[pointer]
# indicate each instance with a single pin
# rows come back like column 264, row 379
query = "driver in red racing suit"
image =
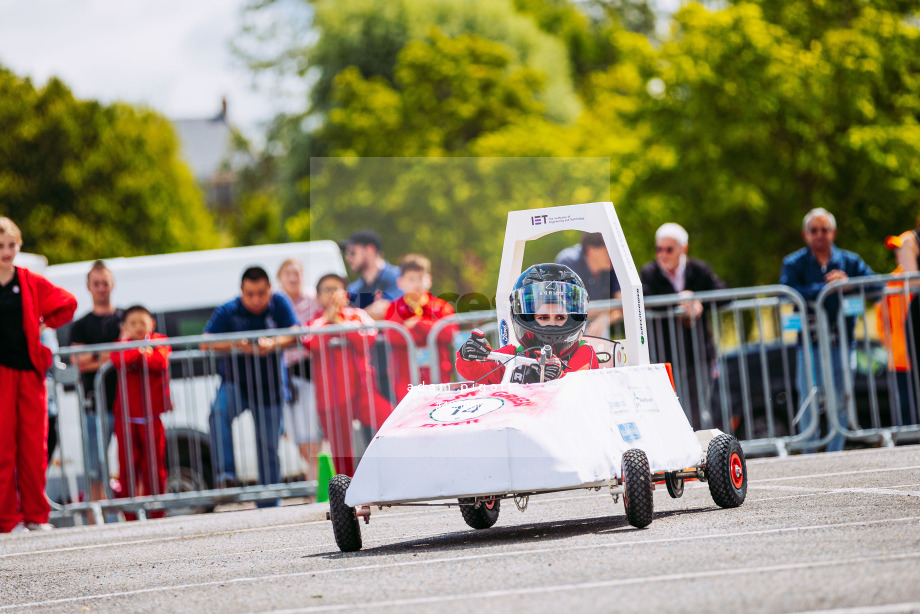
column 549, row 306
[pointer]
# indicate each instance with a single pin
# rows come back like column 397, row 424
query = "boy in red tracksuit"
column 549, row 306
column 27, row 303
column 142, row 397
column 417, row 309
column 344, row 380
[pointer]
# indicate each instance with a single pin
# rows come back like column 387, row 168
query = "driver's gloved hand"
column 525, row 374
column 476, row 347
column 553, row 369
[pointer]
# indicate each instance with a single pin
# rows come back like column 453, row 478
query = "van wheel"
column 186, row 479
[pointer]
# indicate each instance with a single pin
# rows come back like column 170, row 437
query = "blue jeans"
column 91, row 427
column 804, row 387
column 226, row 407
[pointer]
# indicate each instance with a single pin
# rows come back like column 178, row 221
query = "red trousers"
column 141, row 461
column 23, row 448
column 337, row 426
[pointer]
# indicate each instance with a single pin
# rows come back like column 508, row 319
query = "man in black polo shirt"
column 101, row 325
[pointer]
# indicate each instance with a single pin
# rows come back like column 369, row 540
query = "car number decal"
column 463, row 410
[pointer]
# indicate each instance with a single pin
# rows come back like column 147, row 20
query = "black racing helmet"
column 549, row 289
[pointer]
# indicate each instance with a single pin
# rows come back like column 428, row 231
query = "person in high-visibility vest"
column 891, row 315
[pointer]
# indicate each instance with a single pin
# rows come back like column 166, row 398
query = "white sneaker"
column 39, row 526
column 19, row 528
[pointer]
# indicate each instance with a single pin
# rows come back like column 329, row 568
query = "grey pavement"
column 830, row 532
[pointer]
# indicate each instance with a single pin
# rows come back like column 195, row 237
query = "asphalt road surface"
column 832, row 532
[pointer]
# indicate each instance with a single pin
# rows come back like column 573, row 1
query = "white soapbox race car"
column 472, row 446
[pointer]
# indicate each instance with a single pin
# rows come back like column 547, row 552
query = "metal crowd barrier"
column 342, row 394
column 349, row 378
column 872, row 344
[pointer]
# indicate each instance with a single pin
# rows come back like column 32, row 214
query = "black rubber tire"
column 637, row 489
column 480, row 517
column 345, row 524
column 675, row 485
column 726, row 471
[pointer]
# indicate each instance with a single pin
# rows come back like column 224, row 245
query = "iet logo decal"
column 464, row 410
column 538, row 220
column 629, row 432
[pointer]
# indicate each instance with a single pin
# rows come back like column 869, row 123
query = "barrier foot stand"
column 887, row 439
column 781, row 450
column 325, row 471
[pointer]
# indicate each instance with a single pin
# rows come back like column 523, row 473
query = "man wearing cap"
column 674, row 272
column 376, row 287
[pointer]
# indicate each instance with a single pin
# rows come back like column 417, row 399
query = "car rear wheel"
column 637, row 489
column 726, row 471
column 675, row 485
column 481, row 516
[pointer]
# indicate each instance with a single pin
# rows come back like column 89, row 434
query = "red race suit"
column 142, row 396
column 419, row 321
column 345, row 383
column 24, row 406
column 576, row 358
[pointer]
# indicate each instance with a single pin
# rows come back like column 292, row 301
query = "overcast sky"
column 172, row 55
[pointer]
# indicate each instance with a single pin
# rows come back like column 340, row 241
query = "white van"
column 181, row 290
column 34, row 262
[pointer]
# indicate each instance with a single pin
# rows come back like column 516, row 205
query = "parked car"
column 741, row 406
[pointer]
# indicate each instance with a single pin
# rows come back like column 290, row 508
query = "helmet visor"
column 550, row 296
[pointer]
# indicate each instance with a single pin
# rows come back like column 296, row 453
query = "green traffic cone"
column 325, row 471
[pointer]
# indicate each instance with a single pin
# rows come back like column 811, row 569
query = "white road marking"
column 516, row 553
column 833, row 475
column 900, row 451
column 833, row 491
column 891, row 608
column 427, row 510
column 678, row 577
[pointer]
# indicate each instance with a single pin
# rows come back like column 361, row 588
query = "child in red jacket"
column 345, row 381
column 418, row 310
column 142, row 397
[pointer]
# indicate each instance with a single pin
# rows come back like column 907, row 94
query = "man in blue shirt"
column 376, row 287
column 252, row 376
column 807, row 271
column 591, row 262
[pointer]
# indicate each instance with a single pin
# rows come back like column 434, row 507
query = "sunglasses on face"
column 670, row 249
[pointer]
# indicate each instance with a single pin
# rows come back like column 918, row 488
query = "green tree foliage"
column 748, row 128
column 452, row 209
column 85, row 180
column 447, row 93
column 370, row 35
column 735, row 124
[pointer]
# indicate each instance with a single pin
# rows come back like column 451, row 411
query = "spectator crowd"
column 319, row 378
